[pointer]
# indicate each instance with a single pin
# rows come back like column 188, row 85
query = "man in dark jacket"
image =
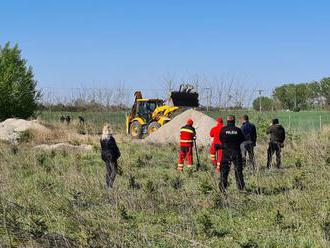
column 250, row 134
column 110, row 154
column 231, row 138
column 276, row 141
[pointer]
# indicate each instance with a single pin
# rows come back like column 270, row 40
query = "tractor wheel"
column 153, row 126
column 135, row 130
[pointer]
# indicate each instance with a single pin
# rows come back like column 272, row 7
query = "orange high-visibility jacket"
column 187, row 135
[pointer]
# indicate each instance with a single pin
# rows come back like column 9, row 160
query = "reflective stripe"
column 212, row 156
column 180, row 165
column 186, row 130
column 186, row 141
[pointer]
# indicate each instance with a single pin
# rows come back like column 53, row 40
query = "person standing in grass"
column 187, row 136
column 231, row 138
column 276, row 142
column 110, row 154
column 216, row 155
column 247, row 147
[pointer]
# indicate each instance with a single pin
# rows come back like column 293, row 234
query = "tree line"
column 295, row 97
column 19, row 96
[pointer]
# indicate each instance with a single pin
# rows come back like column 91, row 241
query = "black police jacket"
column 109, row 149
column 231, row 138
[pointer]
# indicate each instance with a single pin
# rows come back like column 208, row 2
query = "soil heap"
column 10, row 129
column 169, row 133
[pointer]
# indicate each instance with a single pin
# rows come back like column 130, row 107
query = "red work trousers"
column 215, row 155
column 185, row 155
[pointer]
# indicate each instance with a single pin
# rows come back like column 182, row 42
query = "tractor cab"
column 145, row 108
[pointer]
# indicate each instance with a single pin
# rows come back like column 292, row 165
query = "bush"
column 19, row 95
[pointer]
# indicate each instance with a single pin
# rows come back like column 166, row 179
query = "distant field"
column 297, row 121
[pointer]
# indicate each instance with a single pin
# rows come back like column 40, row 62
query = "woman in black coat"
column 110, row 154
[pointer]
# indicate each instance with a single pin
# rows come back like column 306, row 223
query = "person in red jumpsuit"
column 216, row 155
column 187, row 136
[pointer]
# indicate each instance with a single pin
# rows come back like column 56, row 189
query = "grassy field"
column 295, row 121
column 57, row 199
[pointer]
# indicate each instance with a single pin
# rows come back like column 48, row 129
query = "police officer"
column 231, row 138
column 276, row 142
column 250, row 134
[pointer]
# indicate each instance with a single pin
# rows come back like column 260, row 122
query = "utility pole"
column 208, row 97
column 295, row 98
column 260, row 91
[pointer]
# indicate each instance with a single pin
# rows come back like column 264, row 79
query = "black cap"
column 275, row 121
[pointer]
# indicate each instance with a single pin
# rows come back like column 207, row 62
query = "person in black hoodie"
column 110, row 154
column 231, row 138
column 247, row 147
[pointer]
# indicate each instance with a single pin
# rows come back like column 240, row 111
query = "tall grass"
column 57, row 199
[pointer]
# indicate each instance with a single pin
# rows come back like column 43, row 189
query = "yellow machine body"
column 147, row 115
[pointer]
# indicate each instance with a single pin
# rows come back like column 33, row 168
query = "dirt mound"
column 169, row 133
column 10, row 129
column 65, row 146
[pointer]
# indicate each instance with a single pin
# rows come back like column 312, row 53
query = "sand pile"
column 65, row 146
column 169, row 133
column 10, row 129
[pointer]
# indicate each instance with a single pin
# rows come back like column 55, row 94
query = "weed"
column 25, row 136
column 218, row 201
column 298, row 183
column 177, row 182
column 14, row 149
column 279, row 218
column 205, row 186
column 250, row 243
column 327, row 160
column 206, row 224
column 150, row 187
column 326, row 230
column 139, row 163
column 38, row 228
column 123, row 212
column 298, row 163
column 132, row 184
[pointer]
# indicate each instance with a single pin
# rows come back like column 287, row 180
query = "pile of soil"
column 64, row 146
column 10, row 129
column 169, row 133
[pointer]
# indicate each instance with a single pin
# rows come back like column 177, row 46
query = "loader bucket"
column 184, row 99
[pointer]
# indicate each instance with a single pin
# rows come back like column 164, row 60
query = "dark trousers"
column 247, row 148
column 111, row 167
column 274, row 147
column 228, row 158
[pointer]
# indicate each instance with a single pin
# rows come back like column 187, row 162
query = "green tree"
column 293, row 96
column 314, row 94
column 325, row 89
column 266, row 103
column 286, row 95
column 18, row 93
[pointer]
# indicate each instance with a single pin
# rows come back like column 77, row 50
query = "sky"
column 141, row 43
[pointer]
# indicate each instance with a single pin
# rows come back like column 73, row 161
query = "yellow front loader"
column 147, row 115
